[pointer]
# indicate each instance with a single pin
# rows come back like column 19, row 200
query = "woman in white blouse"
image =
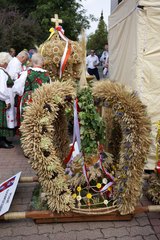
column 6, row 118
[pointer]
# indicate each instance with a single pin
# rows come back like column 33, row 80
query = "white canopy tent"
column 134, row 55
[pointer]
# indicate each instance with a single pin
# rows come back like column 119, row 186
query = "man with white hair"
column 14, row 69
column 6, row 114
column 16, row 65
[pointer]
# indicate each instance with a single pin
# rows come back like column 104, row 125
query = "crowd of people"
column 92, row 62
column 20, row 75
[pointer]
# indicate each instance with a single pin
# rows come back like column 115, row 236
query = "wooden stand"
column 51, row 217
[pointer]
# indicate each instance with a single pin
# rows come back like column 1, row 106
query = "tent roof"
column 126, row 7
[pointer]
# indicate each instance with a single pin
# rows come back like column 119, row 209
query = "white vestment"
column 6, row 95
column 19, row 84
column 18, row 88
column 14, row 69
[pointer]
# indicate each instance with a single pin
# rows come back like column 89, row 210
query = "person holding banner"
column 6, row 116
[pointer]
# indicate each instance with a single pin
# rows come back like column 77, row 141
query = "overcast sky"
column 95, row 7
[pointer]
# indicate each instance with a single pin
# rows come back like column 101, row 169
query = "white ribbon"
column 65, row 51
column 76, row 130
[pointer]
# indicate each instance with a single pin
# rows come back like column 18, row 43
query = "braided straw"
column 131, row 140
column 45, row 141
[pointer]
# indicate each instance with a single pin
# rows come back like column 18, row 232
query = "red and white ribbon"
column 67, row 51
column 76, row 134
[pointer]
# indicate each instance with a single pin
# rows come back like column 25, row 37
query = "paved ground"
column 145, row 226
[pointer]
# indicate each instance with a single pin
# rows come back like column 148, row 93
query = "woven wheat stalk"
column 45, row 141
column 134, row 137
column 52, row 50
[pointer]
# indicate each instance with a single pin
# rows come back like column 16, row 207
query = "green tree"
column 17, row 31
column 24, row 7
column 71, row 11
column 97, row 40
column 32, row 20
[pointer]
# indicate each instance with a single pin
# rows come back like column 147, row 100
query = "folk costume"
column 6, row 116
column 28, row 82
column 14, row 69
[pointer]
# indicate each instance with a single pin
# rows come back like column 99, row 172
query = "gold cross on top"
column 56, row 20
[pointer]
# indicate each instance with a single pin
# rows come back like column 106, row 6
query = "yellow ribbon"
column 52, row 31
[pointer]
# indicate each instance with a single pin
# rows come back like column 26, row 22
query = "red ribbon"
column 18, row 110
column 67, row 159
column 158, row 167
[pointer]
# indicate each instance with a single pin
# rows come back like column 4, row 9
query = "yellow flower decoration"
column 110, row 189
column 74, row 195
column 79, row 189
column 98, row 185
column 89, row 195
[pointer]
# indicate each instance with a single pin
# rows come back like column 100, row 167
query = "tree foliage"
column 17, row 31
column 70, row 11
column 97, row 40
column 24, row 7
column 26, row 23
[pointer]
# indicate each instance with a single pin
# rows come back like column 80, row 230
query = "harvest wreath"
column 60, row 65
column 45, row 141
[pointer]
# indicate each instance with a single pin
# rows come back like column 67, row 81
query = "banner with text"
column 7, row 191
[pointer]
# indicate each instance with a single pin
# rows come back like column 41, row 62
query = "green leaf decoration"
column 92, row 127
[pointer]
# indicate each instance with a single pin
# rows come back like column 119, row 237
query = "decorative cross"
column 56, row 20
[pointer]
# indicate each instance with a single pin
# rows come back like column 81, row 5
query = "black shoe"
column 3, row 144
column 8, row 142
